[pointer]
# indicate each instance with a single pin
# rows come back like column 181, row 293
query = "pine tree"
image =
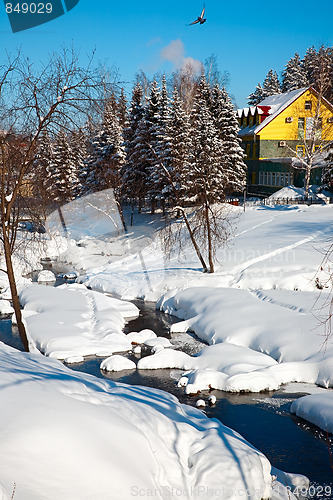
column 149, row 134
column 122, row 109
column 78, row 143
column 134, row 171
column 226, row 123
column 271, row 85
column 180, row 146
column 327, row 174
column 42, row 165
column 257, row 96
column 107, row 152
column 160, row 184
column 207, row 177
column 323, row 72
column 62, row 170
column 309, row 63
column 294, row 75
column 207, row 180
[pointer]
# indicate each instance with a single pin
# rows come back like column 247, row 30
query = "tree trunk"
column 194, row 243
column 307, row 180
column 13, row 289
column 153, row 206
column 209, row 239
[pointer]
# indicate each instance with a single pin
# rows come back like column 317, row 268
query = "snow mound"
column 117, row 363
column 70, row 321
column 292, row 192
column 142, row 336
column 317, row 409
column 158, row 342
column 92, row 438
column 46, row 276
column 5, row 308
column 275, row 340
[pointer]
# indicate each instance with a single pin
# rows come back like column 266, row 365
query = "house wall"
column 280, row 130
column 260, row 180
column 272, row 149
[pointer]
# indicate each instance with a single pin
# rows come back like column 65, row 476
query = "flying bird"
column 200, row 19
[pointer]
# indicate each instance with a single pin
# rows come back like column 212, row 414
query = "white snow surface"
column 71, row 321
column 273, row 339
column 294, row 193
column 69, row 435
column 317, row 409
column 260, row 312
column 263, row 297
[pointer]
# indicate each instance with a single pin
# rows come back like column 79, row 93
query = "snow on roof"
column 273, row 105
column 278, row 103
column 279, row 100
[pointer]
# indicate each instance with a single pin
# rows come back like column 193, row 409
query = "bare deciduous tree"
column 59, row 96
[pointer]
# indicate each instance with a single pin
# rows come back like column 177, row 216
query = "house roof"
column 272, row 106
column 277, row 103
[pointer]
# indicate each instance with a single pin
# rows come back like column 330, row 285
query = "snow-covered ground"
column 261, row 310
column 70, row 322
column 65, row 435
column 260, row 314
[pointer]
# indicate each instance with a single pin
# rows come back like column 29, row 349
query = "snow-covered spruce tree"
column 232, row 154
column 134, row 171
column 271, row 85
column 150, row 140
column 122, row 109
column 159, row 182
column 41, row 172
column 318, row 66
column 257, row 96
column 327, row 175
column 107, row 152
column 207, row 179
column 294, row 76
column 78, row 143
column 309, row 64
column 62, row 170
column 180, row 147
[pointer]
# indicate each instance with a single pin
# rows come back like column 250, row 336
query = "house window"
column 301, row 128
column 276, row 179
column 308, row 105
column 248, row 149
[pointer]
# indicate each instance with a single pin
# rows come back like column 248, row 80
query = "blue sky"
column 247, row 38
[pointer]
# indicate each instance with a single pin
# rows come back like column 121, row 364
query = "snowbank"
column 317, row 409
column 294, row 193
column 70, row 321
column 273, row 247
column 259, row 340
column 68, row 435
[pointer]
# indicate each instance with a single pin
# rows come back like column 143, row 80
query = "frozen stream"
column 289, row 442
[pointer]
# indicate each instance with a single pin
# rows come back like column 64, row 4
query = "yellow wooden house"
column 276, row 133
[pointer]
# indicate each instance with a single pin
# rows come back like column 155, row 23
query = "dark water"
column 290, row 443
